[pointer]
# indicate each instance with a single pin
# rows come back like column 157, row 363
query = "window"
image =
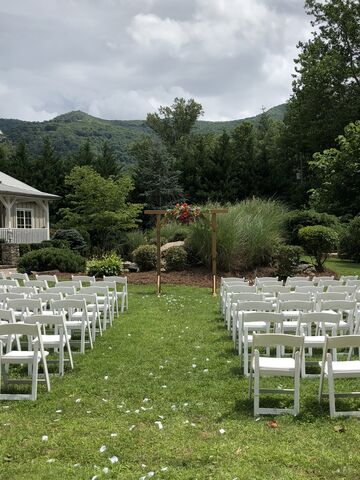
column 23, row 218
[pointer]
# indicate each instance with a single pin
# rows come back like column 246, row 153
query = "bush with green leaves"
column 318, row 241
column 145, row 257
column 297, row 219
column 349, row 245
column 247, row 236
column 287, row 259
column 176, row 258
column 61, row 259
column 110, row 264
column 132, row 240
column 29, row 247
column 74, row 239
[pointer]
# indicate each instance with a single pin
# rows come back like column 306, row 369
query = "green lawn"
column 174, row 352
column 343, row 267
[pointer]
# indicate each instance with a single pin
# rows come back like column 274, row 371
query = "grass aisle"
column 156, row 392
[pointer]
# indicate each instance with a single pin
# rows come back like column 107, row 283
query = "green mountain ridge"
column 70, row 130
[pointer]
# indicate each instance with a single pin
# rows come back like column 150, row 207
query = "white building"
column 24, row 211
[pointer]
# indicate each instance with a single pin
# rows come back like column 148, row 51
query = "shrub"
column 44, row 259
column 318, row 241
column 349, row 245
column 287, row 258
column 24, row 248
column 247, row 236
column 145, row 257
column 132, row 240
column 153, row 241
column 304, row 218
column 176, row 258
column 29, row 247
column 110, row 264
column 73, row 238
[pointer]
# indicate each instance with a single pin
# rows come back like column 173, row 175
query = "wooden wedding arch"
column 213, row 212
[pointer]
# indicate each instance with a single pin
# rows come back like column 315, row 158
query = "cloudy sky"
column 119, row 59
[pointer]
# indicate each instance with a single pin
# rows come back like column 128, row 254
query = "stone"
column 166, row 247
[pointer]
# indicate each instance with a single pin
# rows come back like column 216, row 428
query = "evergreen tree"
column 155, row 177
column 106, row 164
column 85, row 156
column 48, row 170
column 21, row 165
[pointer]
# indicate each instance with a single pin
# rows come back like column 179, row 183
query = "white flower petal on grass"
column 173, row 408
column 206, row 370
column 151, row 374
column 163, row 386
column 44, row 438
column 76, row 465
column 105, row 400
column 143, row 465
column 129, row 334
column 193, row 424
column 164, row 469
column 106, row 377
column 106, row 470
column 207, row 359
column 88, row 411
column 113, row 435
column 222, row 430
column 257, row 419
column 161, row 367
column 95, row 477
column 146, row 400
column 136, row 411
column 131, row 428
column 127, row 411
column 194, row 365
column 113, row 459
column 103, row 448
column 159, row 424
column 78, row 400
column 51, row 460
column 150, row 474
column 142, row 478
column 186, row 404
column 161, row 416
column 58, row 411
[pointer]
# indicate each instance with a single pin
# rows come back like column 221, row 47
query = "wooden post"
column 158, row 214
column 158, row 253
column 213, row 251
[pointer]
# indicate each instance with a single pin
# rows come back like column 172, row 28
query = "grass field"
column 343, row 267
column 169, row 363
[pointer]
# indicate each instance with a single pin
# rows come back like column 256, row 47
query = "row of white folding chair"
column 263, row 366
column 109, row 281
column 227, row 287
column 230, row 290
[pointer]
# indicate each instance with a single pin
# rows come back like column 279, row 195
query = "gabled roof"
column 11, row 186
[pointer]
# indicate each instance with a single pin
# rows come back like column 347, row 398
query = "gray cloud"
column 123, row 58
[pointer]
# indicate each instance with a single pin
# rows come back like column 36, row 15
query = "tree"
column 156, row 179
column 173, row 123
column 99, row 205
column 48, row 172
column 85, row 155
column 243, row 146
column 106, row 164
column 20, row 165
column 326, row 87
column 337, row 172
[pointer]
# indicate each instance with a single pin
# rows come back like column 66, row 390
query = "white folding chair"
column 48, row 278
column 300, row 283
column 316, row 280
column 293, row 296
column 85, row 280
column 347, row 308
column 7, row 316
column 345, row 278
column 64, row 290
column 79, row 323
column 104, row 303
column 8, row 295
column 70, row 283
column 27, row 290
column 312, row 326
column 323, row 282
column 291, row 309
column 229, row 291
column 9, row 283
column 57, row 340
column 291, row 280
column 231, row 313
column 264, row 366
column 350, row 291
column 332, row 370
column 93, row 310
column 32, row 357
column 327, row 296
column 254, row 322
column 248, row 306
column 46, row 298
column 22, row 306
column 40, row 285
column 121, row 291
column 21, row 277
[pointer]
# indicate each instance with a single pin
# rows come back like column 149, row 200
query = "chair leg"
column 34, row 382
column 297, row 384
column 256, row 392
column 331, row 395
column 69, row 352
column 82, row 338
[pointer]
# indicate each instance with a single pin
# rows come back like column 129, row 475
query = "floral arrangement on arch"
column 183, row 213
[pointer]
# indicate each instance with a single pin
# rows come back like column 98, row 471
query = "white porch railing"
column 24, row 235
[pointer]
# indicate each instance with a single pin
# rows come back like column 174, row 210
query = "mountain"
column 68, row 131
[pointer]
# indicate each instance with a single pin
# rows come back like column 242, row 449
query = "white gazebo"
column 24, row 211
